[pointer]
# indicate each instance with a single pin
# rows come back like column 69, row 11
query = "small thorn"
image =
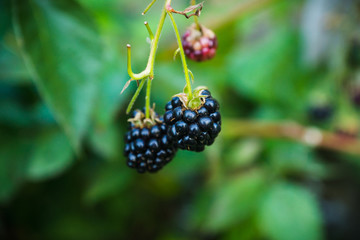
column 137, row 82
column 126, row 86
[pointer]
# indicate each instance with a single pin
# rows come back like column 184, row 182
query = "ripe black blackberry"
column 193, row 124
column 147, row 146
column 321, row 113
column 199, row 44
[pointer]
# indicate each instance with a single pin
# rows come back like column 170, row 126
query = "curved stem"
column 147, row 98
column 148, row 73
column 133, row 99
column 182, row 55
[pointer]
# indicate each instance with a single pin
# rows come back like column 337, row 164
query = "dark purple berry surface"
column 148, row 148
column 193, row 129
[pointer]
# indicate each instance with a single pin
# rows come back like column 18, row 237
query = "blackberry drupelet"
column 199, row 44
column 192, row 128
column 147, row 146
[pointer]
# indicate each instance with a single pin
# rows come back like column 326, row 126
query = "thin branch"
column 182, row 55
column 151, row 35
column 311, row 136
column 133, row 99
column 148, row 7
column 193, row 8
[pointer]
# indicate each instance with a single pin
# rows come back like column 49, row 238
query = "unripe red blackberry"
column 199, row 44
column 147, row 146
column 193, row 124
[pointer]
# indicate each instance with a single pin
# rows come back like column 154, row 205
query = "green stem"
column 155, row 43
column 148, row 73
column 182, row 54
column 147, row 98
column 196, row 20
column 138, row 90
column 148, row 7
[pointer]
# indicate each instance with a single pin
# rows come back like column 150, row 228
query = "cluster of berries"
column 192, row 129
column 152, row 142
column 200, row 43
column 147, row 146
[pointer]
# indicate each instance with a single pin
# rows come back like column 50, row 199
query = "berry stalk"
column 147, row 98
column 136, row 94
column 155, row 43
column 182, row 55
column 196, row 20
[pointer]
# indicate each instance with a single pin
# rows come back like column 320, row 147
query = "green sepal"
column 186, row 90
column 195, row 103
column 197, row 92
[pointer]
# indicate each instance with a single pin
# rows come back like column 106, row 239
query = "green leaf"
column 51, row 156
column 113, row 77
column 4, row 17
column 290, row 212
column 266, row 69
column 243, row 153
column 107, row 141
column 109, row 181
column 62, row 52
column 235, row 200
column 12, row 67
column 13, row 160
column 294, row 158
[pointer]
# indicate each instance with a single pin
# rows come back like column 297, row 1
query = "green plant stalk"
column 148, row 7
column 136, row 94
column 148, row 73
column 196, row 20
column 155, row 43
column 182, row 55
column 149, row 70
column 147, row 98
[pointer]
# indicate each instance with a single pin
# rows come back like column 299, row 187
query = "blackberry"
column 321, row 112
column 193, row 124
column 199, row 44
column 147, row 146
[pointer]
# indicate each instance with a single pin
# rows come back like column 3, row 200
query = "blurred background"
column 62, row 121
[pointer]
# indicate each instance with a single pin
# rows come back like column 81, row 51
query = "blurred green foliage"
column 62, row 121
